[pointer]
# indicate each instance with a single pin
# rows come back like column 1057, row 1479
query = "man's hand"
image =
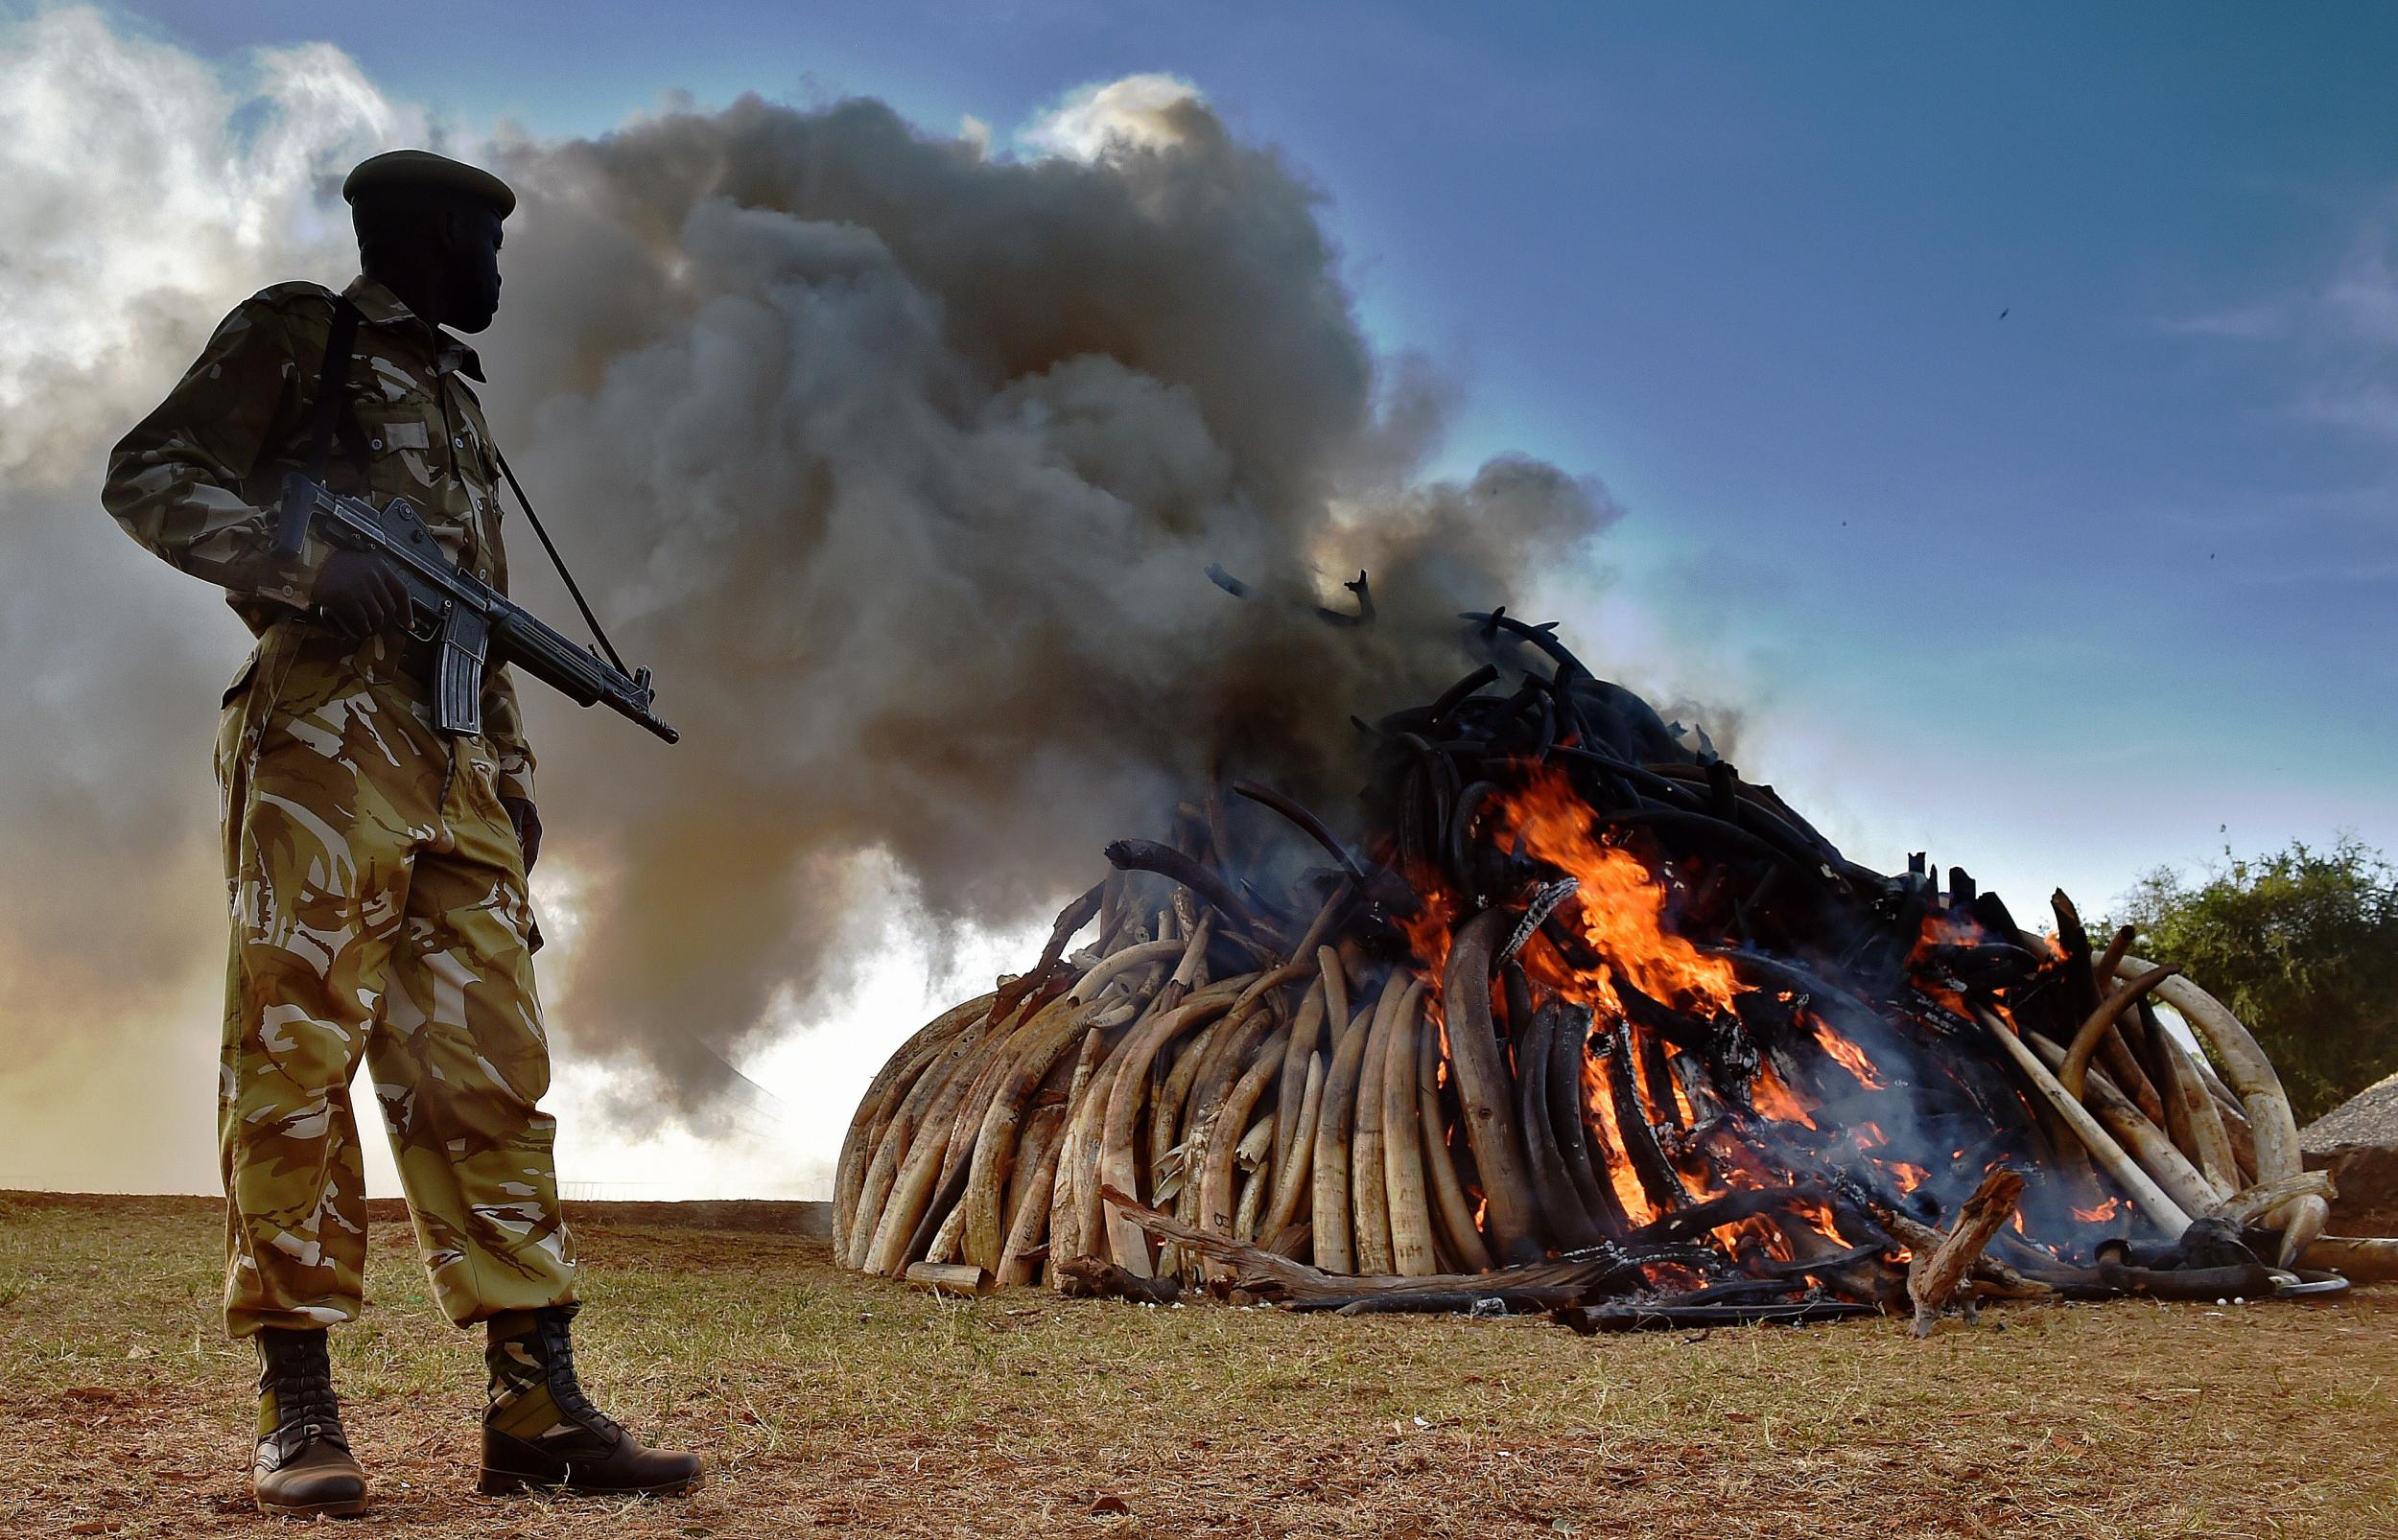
column 357, row 591
column 528, row 824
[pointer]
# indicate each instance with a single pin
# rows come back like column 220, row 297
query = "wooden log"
column 1996, row 1278
column 1402, row 1146
column 949, row 1278
column 2244, row 1063
column 2151, row 1200
column 1070, row 920
column 1335, row 1248
column 1087, row 1278
column 1455, row 1215
column 1943, row 1273
column 1368, row 1197
column 1483, row 1090
column 1270, row 1275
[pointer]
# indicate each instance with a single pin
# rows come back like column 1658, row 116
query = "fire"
column 1621, row 906
column 1774, row 1099
column 2099, row 1213
column 1907, row 1174
column 1848, row 1054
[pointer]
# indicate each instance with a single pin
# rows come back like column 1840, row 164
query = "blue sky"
column 2103, row 581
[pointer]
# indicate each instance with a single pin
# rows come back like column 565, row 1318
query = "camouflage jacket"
column 199, row 478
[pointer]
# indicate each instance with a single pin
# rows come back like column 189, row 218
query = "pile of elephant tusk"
column 1576, row 1021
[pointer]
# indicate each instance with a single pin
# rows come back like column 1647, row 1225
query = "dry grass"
column 828, row 1403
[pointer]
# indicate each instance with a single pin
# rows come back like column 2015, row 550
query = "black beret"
column 423, row 171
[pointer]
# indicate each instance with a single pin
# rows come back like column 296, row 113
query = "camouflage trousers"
column 379, row 907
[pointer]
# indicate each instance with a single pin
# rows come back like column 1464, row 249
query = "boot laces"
column 558, row 1344
column 300, row 1376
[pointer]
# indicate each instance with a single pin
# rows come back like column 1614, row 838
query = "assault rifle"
column 473, row 627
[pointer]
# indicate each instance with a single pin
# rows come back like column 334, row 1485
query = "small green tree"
column 2303, row 946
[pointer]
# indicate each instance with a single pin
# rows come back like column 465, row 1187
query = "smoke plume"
column 901, row 461
column 905, row 465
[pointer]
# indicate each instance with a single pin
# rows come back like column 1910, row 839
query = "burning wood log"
column 1943, row 1273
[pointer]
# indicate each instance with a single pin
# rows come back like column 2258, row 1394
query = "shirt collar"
column 378, row 306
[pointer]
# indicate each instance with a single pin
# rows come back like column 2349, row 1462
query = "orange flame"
column 1850, row 1056
column 1621, row 905
column 2099, row 1213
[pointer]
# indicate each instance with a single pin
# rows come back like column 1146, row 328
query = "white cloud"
column 1138, row 112
column 142, row 192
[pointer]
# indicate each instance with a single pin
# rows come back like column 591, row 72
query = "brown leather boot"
column 541, row 1430
column 304, row 1465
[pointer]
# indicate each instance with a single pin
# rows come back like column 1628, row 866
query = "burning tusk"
column 878, row 1109
column 1402, row 1145
column 1454, row 1212
column 995, row 1149
column 2210, row 1142
column 1370, row 1212
column 2302, row 1220
column 2085, row 1043
column 1127, row 1243
column 2143, row 1139
column 2167, row 1215
column 1334, row 1247
column 1483, row 1086
column 1291, row 1182
column 2244, row 1064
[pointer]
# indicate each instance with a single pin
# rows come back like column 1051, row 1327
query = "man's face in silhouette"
column 470, row 281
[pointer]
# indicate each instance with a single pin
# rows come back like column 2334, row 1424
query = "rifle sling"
column 326, row 409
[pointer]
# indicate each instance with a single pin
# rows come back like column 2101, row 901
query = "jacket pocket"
column 241, row 681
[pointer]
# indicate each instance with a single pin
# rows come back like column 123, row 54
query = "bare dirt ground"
column 827, row 1403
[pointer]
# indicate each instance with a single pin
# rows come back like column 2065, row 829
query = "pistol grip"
column 290, row 525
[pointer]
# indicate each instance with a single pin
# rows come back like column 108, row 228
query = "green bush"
column 2303, row 946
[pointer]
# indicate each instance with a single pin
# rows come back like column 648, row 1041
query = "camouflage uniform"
column 376, row 884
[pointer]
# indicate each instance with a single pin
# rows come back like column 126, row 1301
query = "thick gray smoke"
column 904, row 466
column 901, row 461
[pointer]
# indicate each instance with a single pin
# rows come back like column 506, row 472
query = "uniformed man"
column 375, row 866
